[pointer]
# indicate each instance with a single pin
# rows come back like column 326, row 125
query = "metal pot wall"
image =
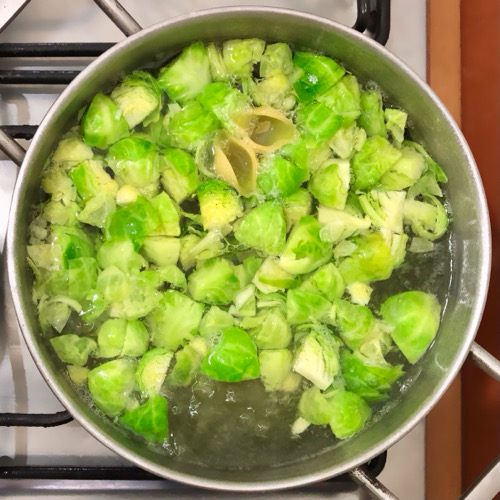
column 430, row 123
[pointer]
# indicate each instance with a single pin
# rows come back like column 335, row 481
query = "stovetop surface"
column 22, row 388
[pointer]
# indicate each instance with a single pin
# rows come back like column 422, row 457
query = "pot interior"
column 458, row 275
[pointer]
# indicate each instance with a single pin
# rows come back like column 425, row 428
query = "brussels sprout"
column 275, row 367
column 295, row 206
column 385, row 208
column 319, row 120
column 209, row 246
column 126, row 195
column 168, row 216
column 279, row 177
column 82, row 277
column 186, row 258
column 73, row 243
column 56, row 182
column 233, row 358
column 426, row 184
column 152, row 370
column 97, row 210
column 303, row 306
column 315, row 407
column 372, row 260
column 372, row 113
column 360, row 293
column 240, row 55
column 56, row 312
column 307, row 152
column 420, row 245
column 190, row 126
column 187, row 362
column 113, row 284
column 134, row 160
column 339, row 224
column 347, row 141
column 112, row 386
column 330, row 184
column 304, row 250
column 139, row 98
column 317, row 75
column 103, row 123
column 376, row 157
column 270, row 277
column 428, row 218
column 90, row 179
column 271, row 331
column 405, row 171
column 78, row 374
column 92, row 306
column 214, row 282
column 119, row 337
column 431, row 166
column 299, row 426
column 141, row 299
column 395, row 123
column 72, row 150
column 349, row 413
column 149, row 420
column 173, row 275
column 276, row 60
column 317, row 359
column 120, row 254
column 354, row 322
column 180, row 176
column 186, row 77
column 247, row 269
column 326, row 281
column 175, row 320
column 224, row 101
column 344, row 99
column 71, row 348
column 370, row 380
column 133, row 222
column 219, row 204
column 244, row 302
column 59, row 214
column 218, row 69
column 214, row 321
column 275, row 91
column 415, row 316
column 263, row 228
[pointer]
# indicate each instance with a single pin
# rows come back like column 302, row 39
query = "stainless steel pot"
column 430, row 123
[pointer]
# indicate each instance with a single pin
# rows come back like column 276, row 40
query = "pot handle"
column 485, row 361
column 11, row 148
column 376, row 19
column 115, row 11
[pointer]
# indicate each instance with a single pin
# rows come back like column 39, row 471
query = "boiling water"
column 240, row 426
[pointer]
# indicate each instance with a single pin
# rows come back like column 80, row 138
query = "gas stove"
column 46, row 453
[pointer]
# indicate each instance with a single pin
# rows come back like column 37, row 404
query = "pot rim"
column 228, row 485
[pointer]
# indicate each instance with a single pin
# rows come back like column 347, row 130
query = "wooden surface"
column 443, row 464
column 480, row 29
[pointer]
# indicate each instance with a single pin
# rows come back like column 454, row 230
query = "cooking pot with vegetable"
column 459, row 271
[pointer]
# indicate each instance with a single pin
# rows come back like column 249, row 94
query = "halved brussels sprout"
column 103, row 123
column 415, row 316
column 233, row 358
column 149, row 420
column 304, row 250
column 187, row 76
column 71, row 348
column 263, row 228
column 152, row 370
column 112, row 386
